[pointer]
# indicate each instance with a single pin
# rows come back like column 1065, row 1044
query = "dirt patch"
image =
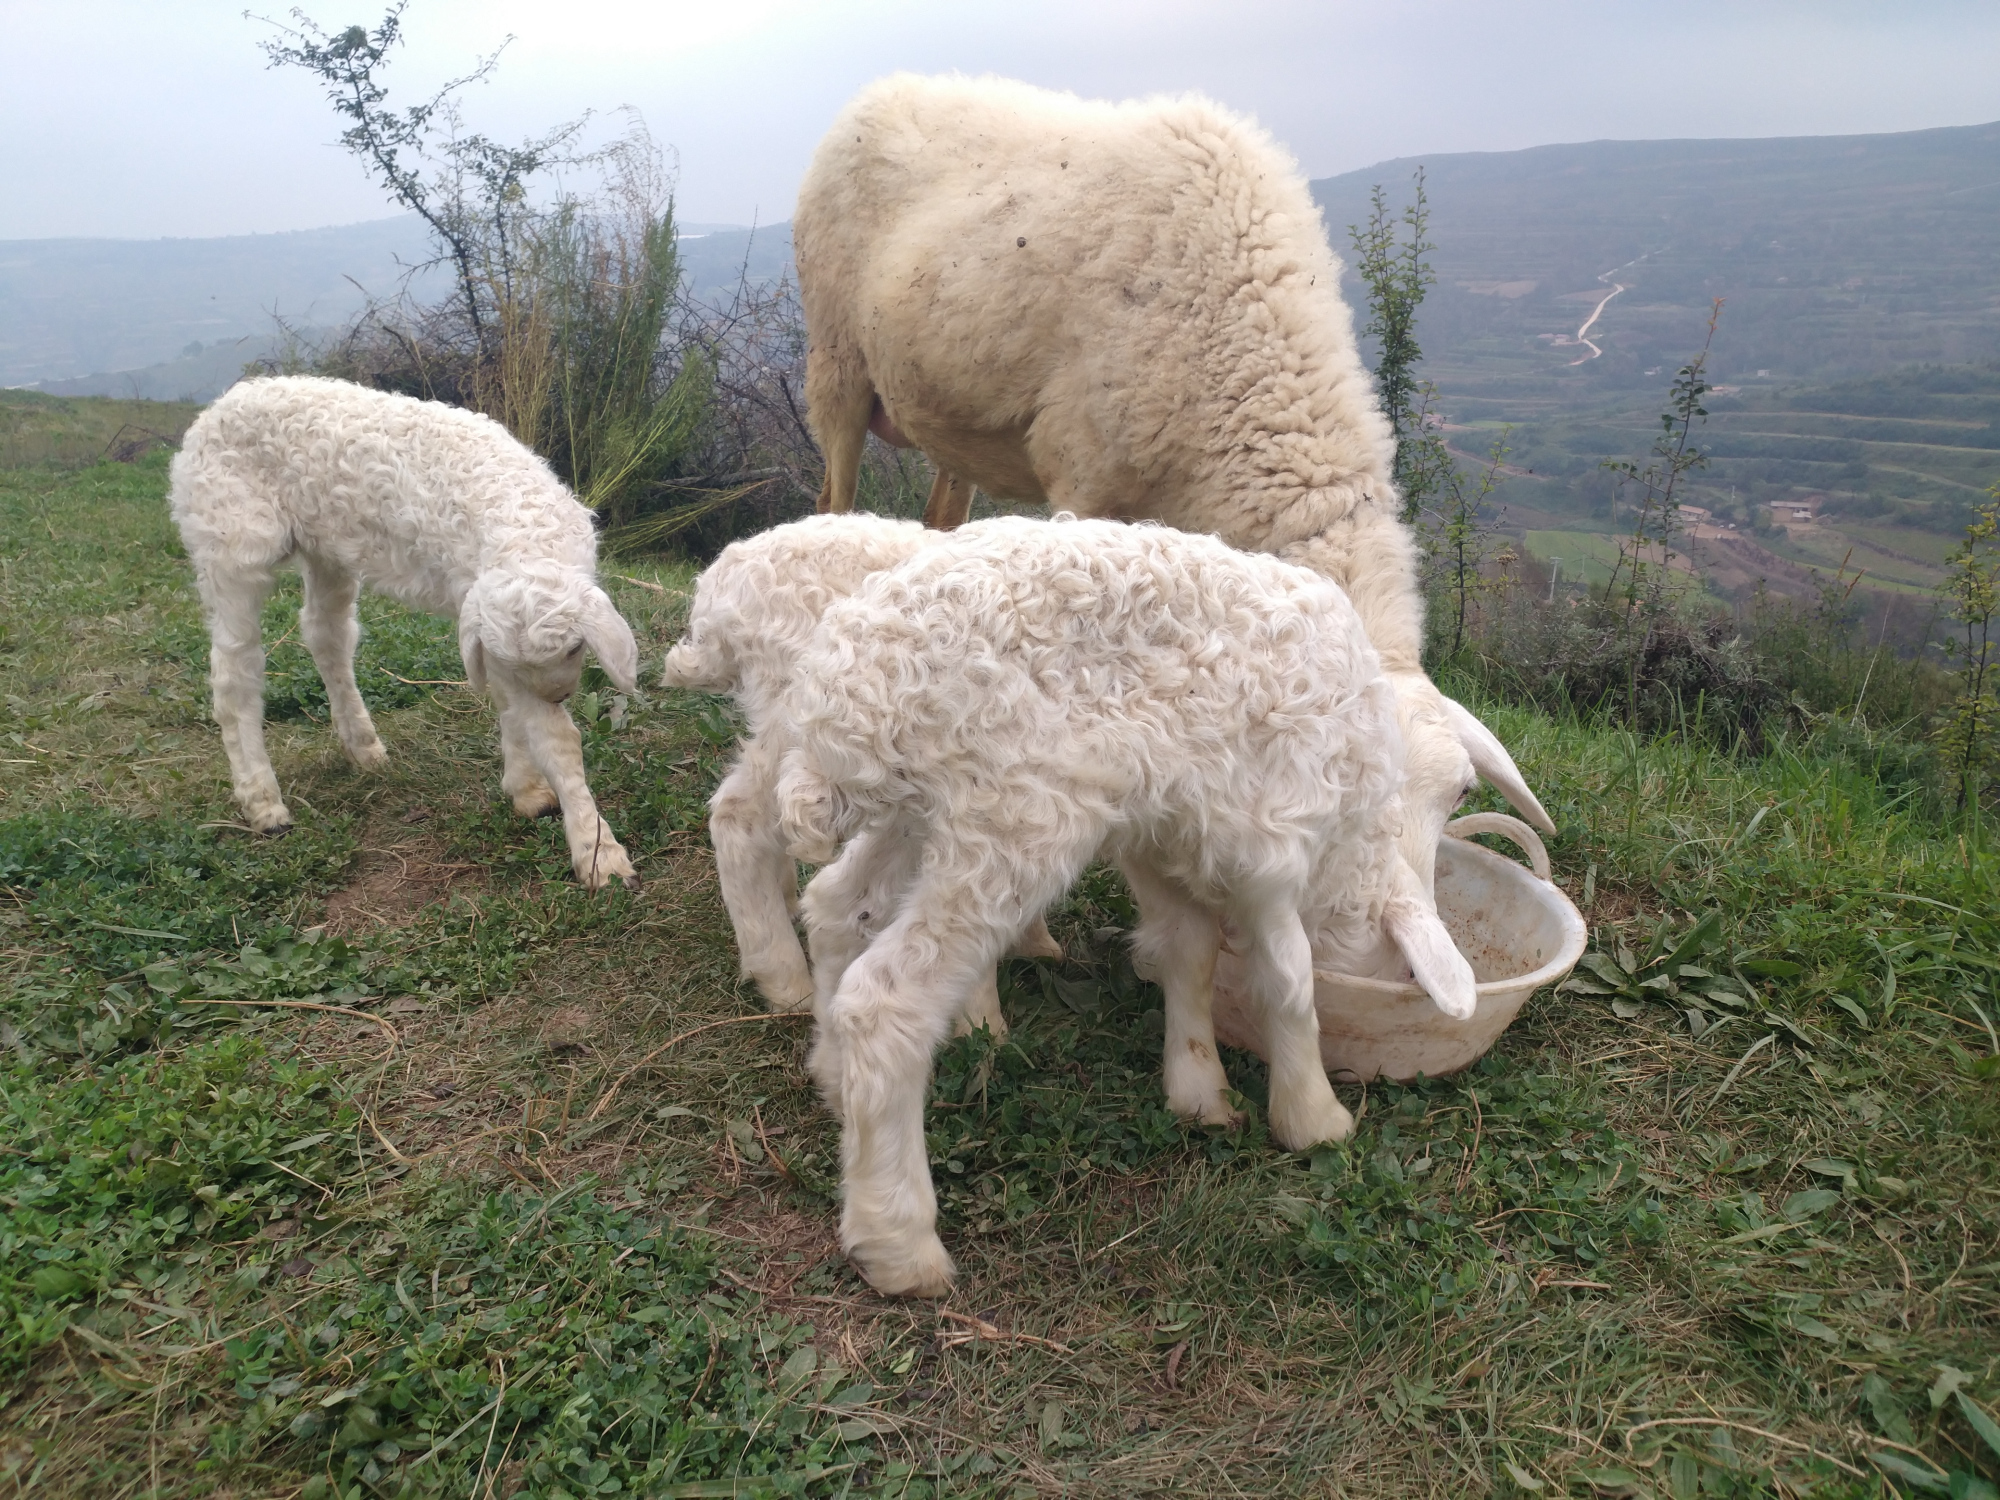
column 787, row 1241
column 401, row 871
column 1616, row 906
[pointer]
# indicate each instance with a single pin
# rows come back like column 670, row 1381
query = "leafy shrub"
column 1683, row 672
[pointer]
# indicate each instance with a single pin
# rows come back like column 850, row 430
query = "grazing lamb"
column 755, row 608
column 441, row 510
column 1020, row 696
column 1126, row 310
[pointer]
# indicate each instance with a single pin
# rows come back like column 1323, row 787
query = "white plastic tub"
column 1516, row 928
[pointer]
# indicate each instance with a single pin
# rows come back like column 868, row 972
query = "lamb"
column 439, row 509
column 1021, row 695
column 1126, row 310
column 755, row 608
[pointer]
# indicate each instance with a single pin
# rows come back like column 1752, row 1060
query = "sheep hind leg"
column 234, row 604
column 950, row 502
column 331, row 630
column 1175, row 945
column 840, row 403
column 849, row 902
column 757, row 876
column 1304, row 1111
column 873, row 1051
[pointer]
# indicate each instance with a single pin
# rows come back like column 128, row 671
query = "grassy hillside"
column 51, row 432
column 381, row 1160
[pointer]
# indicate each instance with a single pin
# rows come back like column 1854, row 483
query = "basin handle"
column 1508, row 828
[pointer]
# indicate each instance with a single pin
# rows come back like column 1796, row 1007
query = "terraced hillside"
column 1877, row 475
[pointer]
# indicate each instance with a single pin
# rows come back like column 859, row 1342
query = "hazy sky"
column 158, row 117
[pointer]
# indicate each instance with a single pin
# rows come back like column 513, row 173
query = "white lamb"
column 439, row 509
column 1126, row 310
column 1015, row 698
column 755, row 608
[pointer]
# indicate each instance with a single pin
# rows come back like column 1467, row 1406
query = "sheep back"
column 415, row 497
column 756, row 606
column 1039, row 682
column 1125, row 309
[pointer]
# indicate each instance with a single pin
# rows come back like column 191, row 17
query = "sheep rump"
column 443, row 511
column 755, row 610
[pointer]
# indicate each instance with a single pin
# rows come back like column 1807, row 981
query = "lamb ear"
column 1441, row 970
column 470, row 647
column 1491, row 760
column 611, row 638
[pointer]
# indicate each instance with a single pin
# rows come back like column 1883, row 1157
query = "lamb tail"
column 688, row 666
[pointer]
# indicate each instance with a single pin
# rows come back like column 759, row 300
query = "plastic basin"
column 1515, row 927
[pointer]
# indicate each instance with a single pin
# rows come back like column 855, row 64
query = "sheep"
column 755, row 608
column 1126, row 310
column 441, row 510
column 1021, row 695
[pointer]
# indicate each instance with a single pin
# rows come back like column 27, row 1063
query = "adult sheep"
column 440, row 509
column 1122, row 310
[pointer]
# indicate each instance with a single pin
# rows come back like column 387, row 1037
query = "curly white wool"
column 755, row 608
column 1016, row 697
column 1127, row 310
column 442, row 510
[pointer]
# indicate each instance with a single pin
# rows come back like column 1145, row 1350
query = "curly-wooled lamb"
column 755, row 608
column 1127, row 310
column 1020, row 695
column 443, row 511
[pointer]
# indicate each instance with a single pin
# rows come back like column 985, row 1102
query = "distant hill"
column 72, row 308
column 179, row 318
column 1838, row 256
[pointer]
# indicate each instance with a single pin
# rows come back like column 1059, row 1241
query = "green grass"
column 54, row 432
column 254, row 1249
column 1587, row 556
column 1926, row 546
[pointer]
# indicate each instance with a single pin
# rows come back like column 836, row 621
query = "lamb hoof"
column 967, row 1023
column 1036, row 941
column 270, row 819
column 609, row 864
column 1301, row 1129
column 369, row 756
column 605, row 865
column 921, row 1269
column 982, row 1010
column 538, row 802
column 1211, row 1109
column 787, row 997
